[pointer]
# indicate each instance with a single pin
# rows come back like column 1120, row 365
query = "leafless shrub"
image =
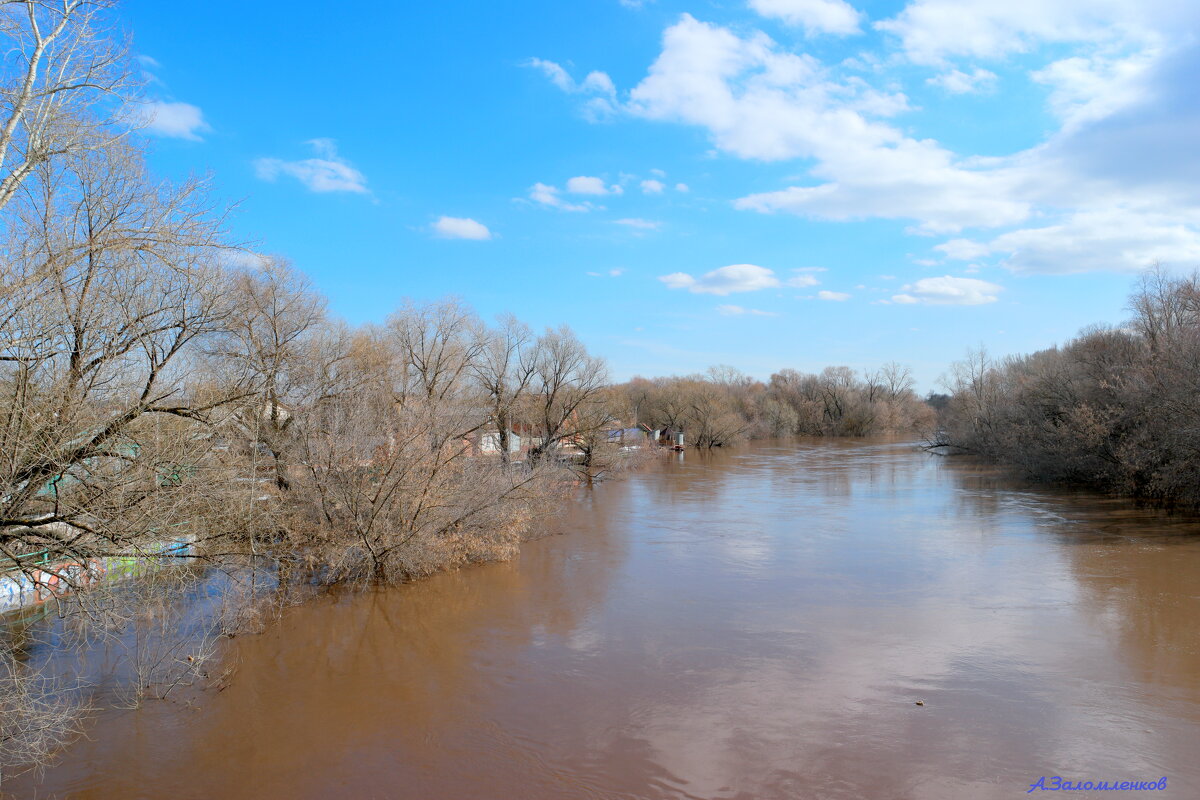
column 37, row 715
column 391, row 486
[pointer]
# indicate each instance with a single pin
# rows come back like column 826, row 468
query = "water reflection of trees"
column 1136, row 565
column 821, row 466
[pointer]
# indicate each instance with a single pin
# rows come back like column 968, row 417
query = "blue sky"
column 763, row 183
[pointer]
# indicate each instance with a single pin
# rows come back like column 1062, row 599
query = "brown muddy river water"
column 759, row 623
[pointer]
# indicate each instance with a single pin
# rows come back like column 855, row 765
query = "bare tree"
column 638, row 394
column 568, row 382
column 712, row 419
column 780, row 418
column 665, row 406
column 390, row 487
column 277, row 342
column 504, row 369
column 65, row 81
column 1163, row 305
column 110, row 283
column 896, row 380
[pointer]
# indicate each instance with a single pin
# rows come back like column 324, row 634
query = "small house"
column 489, row 442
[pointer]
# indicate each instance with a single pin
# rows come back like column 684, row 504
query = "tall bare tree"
column 109, row 283
column 64, row 84
column 277, row 343
column 567, row 382
column 504, row 369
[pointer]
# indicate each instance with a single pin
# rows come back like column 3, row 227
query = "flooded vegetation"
column 814, row 618
column 724, row 405
column 1115, row 408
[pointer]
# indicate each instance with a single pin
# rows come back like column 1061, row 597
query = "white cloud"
column 960, row 250
column 723, row 281
column 835, row 296
column 1107, row 240
column 1142, row 154
column 948, row 291
column 959, row 82
column 586, row 184
column 595, row 82
column 612, row 273
column 816, row 16
column 737, row 311
column 930, row 31
column 327, row 173
column 802, row 281
column 760, row 102
column 1113, row 188
column 1089, row 88
column 682, row 187
column 652, row 187
column 1122, row 86
column 640, row 224
column 757, row 100
column 557, row 75
column 461, row 228
column 915, row 180
column 597, row 86
column 547, row 195
column 544, row 194
column 172, row 120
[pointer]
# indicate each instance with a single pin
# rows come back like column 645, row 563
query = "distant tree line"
column 724, row 405
column 1117, row 408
